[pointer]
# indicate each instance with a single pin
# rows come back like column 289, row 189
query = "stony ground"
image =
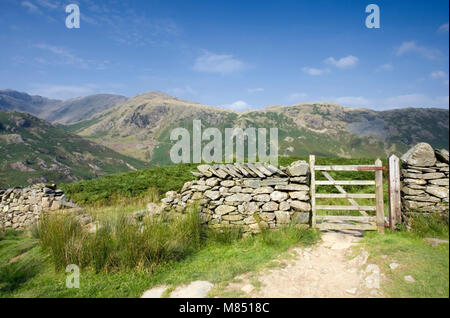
column 328, row 269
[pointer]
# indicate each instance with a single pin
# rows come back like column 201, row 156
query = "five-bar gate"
column 343, row 222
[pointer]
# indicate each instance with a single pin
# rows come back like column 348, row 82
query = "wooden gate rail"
column 346, row 168
column 378, row 196
column 346, row 195
column 342, row 191
column 346, row 182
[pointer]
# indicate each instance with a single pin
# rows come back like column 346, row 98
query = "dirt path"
column 325, row 270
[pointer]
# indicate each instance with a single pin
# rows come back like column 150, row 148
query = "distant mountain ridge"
column 140, row 126
column 64, row 112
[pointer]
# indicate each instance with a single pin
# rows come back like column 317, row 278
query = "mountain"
column 14, row 100
column 33, row 150
column 82, row 108
column 141, row 126
column 58, row 111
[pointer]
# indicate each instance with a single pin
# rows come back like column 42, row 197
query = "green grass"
column 136, row 184
column 112, row 189
column 119, row 261
column 428, row 265
column 27, row 263
column 218, row 259
column 118, row 243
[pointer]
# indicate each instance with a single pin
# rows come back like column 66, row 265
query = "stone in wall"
column 21, row 207
column 425, row 180
column 246, row 195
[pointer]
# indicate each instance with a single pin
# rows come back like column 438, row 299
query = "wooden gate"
column 365, row 221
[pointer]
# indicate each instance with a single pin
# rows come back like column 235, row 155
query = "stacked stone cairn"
column 21, row 207
column 248, row 196
column 425, row 180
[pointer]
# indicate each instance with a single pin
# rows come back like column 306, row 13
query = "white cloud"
column 413, row 47
column 255, row 90
column 64, row 56
column 438, row 74
column 443, row 28
column 386, row 67
column 415, row 100
column 223, row 64
column 238, row 105
column 399, row 101
column 351, row 101
column 30, row 7
column 296, row 97
column 343, row 63
column 315, row 71
column 186, row 90
column 47, row 4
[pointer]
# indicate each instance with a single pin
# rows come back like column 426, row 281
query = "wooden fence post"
column 379, row 196
column 312, row 163
column 395, row 209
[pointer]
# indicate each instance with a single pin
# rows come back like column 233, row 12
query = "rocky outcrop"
column 21, row 207
column 248, row 196
column 425, row 180
column 421, row 155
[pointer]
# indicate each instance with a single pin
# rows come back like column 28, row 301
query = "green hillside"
column 136, row 184
column 32, row 150
column 141, row 127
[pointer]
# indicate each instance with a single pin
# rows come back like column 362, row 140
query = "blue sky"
column 244, row 54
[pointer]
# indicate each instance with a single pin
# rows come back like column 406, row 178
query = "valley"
column 100, row 134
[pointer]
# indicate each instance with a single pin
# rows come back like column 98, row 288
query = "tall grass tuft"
column 227, row 235
column 289, row 234
column 119, row 243
column 433, row 225
column 62, row 236
column 14, row 274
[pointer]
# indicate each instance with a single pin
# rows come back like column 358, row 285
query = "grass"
column 428, row 265
column 124, row 260
column 129, row 186
column 119, row 243
column 216, row 257
column 19, row 261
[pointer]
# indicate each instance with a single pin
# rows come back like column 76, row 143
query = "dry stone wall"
column 249, row 196
column 425, row 180
column 21, row 207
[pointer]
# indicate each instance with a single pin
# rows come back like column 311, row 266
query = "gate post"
column 395, row 210
column 312, row 164
column 379, row 196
